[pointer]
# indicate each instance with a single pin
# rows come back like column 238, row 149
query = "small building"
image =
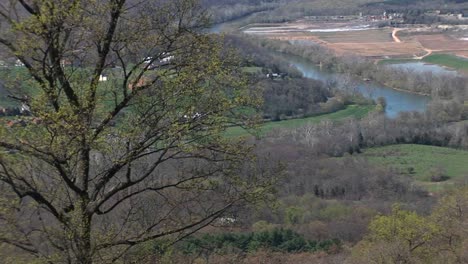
column 102, row 78
column 25, row 109
column 19, row 63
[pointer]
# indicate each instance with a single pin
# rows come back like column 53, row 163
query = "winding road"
column 398, row 40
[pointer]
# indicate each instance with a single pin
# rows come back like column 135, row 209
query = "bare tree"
column 125, row 141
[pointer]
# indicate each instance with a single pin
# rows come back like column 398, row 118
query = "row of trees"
column 222, row 11
column 284, row 11
column 336, row 139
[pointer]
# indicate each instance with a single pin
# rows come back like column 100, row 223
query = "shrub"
column 276, row 240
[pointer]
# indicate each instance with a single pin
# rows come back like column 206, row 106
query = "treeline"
column 339, row 138
column 276, row 11
column 436, row 85
column 421, row 17
column 253, row 54
column 287, row 11
column 227, row 10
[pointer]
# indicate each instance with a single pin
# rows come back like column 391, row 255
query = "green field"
column 396, row 61
column 252, row 70
column 356, row 111
column 422, row 162
column 447, row 60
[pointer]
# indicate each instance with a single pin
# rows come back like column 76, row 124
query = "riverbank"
column 449, row 61
column 386, row 84
column 407, row 91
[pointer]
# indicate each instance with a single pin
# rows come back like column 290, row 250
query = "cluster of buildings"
column 384, row 17
column 15, row 111
column 449, row 15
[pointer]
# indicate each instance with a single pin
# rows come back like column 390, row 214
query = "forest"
column 285, row 10
column 130, row 134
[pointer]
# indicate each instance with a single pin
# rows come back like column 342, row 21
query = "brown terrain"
column 353, row 37
column 463, row 54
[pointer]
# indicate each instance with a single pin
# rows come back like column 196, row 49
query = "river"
column 397, row 101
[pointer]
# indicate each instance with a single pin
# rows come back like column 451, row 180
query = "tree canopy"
column 123, row 143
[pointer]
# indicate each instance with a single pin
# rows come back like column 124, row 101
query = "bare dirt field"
column 440, row 42
column 396, row 50
column 463, row 54
column 365, row 36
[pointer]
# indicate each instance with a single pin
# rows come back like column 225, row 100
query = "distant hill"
column 285, row 10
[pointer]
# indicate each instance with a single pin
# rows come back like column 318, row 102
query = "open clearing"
column 377, row 50
column 422, row 162
column 439, row 42
column 364, row 36
column 351, row 111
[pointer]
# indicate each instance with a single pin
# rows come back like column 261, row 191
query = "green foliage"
column 421, row 161
column 403, row 225
column 406, row 237
column 335, row 211
column 293, row 215
column 448, row 60
column 351, row 111
column 262, row 226
column 283, row 240
column 137, row 146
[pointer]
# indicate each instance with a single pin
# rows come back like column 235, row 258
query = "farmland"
column 367, row 39
column 365, row 36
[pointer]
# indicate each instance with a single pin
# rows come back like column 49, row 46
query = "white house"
column 102, row 78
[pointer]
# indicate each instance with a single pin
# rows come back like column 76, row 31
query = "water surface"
column 421, row 67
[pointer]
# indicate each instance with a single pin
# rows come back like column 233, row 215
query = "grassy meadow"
column 351, row 111
column 448, row 60
column 422, row 162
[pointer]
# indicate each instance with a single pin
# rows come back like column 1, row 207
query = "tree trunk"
column 84, row 253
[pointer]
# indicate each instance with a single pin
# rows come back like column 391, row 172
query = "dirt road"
column 394, row 35
column 398, row 40
column 429, row 52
